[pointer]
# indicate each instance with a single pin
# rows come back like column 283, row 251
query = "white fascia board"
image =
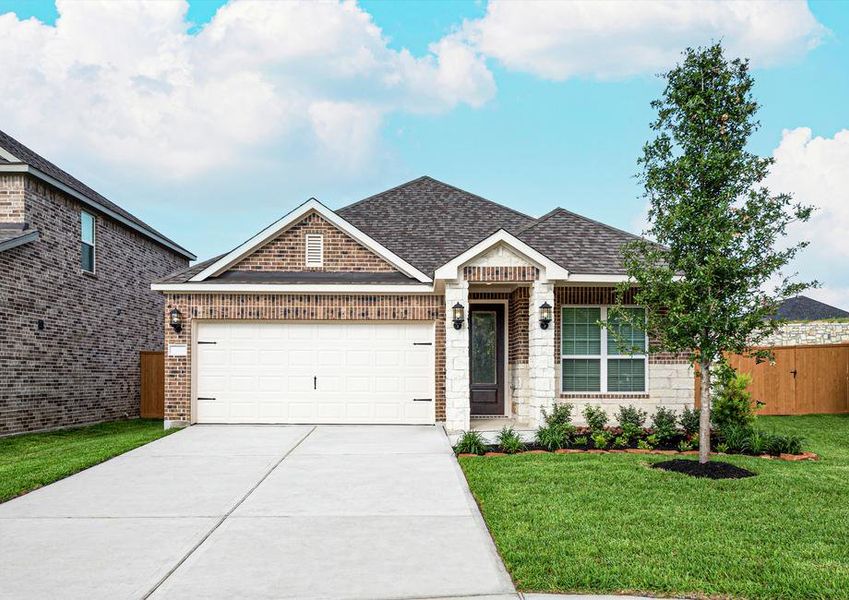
column 23, row 168
column 291, row 288
column 293, row 217
column 6, row 155
column 450, row 270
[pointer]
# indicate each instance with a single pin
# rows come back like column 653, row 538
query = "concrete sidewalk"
column 259, row 512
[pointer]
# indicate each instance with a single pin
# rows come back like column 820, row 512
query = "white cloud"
column 125, row 79
column 613, row 39
column 814, row 170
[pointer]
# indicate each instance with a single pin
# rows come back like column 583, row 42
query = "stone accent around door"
column 457, row 405
column 541, row 372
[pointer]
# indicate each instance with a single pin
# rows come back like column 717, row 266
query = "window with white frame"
column 594, row 359
column 87, row 241
column 315, row 249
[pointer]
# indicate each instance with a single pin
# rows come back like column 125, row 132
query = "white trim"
column 451, row 269
column 293, row 217
column 6, row 155
column 21, row 168
column 603, row 357
column 508, row 391
column 24, row 238
column 325, row 288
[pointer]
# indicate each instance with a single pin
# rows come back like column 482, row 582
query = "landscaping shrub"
column 664, row 424
column 737, row 438
column 555, row 437
column 601, row 439
column 471, row 442
column 689, row 421
column 759, row 442
column 596, row 418
column 509, row 441
column 785, row 444
column 561, row 415
column 631, row 415
column 631, row 433
column 732, row 402
column 688, row 444
column 581, row 441
column 644, row 445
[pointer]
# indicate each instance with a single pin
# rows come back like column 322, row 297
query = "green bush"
column 785, row 444
column 554, row 437
column 687, row 444
column 509, row 441
column 689, row 421
column 471, row 442
column 732, row 403
column 737, row 438
column 631, row 433
column 596, row 418
column 759, row 442
column 601, row 439
column 631, row 415
column 561, row 415
column 644, row 444
column 581, row 441
column 653, row 441
column 663, row 424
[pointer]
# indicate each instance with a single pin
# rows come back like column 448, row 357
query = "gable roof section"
column 217, row 267
column 428, row 222
column 802, row 308
column 581, row 245
column 17, row 158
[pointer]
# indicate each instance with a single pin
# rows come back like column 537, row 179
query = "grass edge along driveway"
column 608, row 523
column 32, row 460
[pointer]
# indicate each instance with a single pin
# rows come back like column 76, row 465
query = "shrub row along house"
column 421, row 304
column 75, row 301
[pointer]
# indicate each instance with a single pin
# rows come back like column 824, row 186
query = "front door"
column 486, row 359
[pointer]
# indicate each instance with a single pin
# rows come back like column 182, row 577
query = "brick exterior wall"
column 84, row 365
column 287, row 252
column 492, row 274
column 12, row 199
column 518, row 316
column 294, row 307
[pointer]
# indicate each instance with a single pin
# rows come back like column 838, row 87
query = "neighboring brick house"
column 421, row 304
column 75, row 300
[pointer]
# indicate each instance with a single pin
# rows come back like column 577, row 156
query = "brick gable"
column 287, row 252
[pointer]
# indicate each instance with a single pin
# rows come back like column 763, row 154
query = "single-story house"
column 76, row 306
column 421, row 304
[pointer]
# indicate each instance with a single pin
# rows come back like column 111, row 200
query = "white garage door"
column 340, row 372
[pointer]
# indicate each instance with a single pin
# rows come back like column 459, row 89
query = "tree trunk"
column 704, row 415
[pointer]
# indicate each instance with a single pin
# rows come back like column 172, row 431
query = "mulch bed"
column 711, row 469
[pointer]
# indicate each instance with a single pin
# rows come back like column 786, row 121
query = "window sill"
column 91, row 274
column 606, row 395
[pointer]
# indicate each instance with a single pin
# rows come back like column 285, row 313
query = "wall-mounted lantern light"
column 544, row 315
column 457, row 315
column 176, row 320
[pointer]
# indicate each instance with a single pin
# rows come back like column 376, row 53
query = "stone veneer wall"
column 84, row 365
column 808, row 333
column 457, row 408
column 287, row 252
column 671, row 377
column 295, row 307
column 12, row 191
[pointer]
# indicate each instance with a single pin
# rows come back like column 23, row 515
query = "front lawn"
column 607, row 523
column 33, row 460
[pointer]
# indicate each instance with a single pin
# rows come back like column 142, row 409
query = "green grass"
column 33, row 460
column 608, row 523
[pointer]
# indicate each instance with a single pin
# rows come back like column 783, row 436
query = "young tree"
column 719, row 228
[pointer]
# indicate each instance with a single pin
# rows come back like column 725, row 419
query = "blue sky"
column 486, row 113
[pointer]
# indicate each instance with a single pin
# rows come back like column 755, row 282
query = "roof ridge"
column 593, row 221
column 448, row 185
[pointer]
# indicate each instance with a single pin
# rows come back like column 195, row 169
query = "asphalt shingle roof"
column 36, row 161
column 802, row 308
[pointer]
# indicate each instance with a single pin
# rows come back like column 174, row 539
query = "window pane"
column 87, row 257
column 579, row 332
column 484, row 334
column 626, row 375
column 625, row 339
column 581, row 375
column 87, row 228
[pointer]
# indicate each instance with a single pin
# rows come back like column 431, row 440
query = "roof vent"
column 315, row 250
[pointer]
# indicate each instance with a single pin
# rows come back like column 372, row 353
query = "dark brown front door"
column 486, row 359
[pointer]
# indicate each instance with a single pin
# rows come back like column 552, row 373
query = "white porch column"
column 457, row 408
column 541, row 364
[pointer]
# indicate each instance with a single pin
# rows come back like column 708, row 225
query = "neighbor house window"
column 594, row 359
column 315, row 250
column 87, row 242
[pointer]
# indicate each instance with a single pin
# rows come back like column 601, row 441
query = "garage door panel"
column 365, row 372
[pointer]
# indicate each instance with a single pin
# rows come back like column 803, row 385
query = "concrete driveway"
column 257, row 512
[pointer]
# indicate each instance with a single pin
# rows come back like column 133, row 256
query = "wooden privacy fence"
column 152, row 385
column 802, row 380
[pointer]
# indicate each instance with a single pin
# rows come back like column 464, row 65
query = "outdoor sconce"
column 544, row 315
column 176, row 320
column 458, row 315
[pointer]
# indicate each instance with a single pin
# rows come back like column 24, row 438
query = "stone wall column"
column 541, row 373
column 457, row 408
